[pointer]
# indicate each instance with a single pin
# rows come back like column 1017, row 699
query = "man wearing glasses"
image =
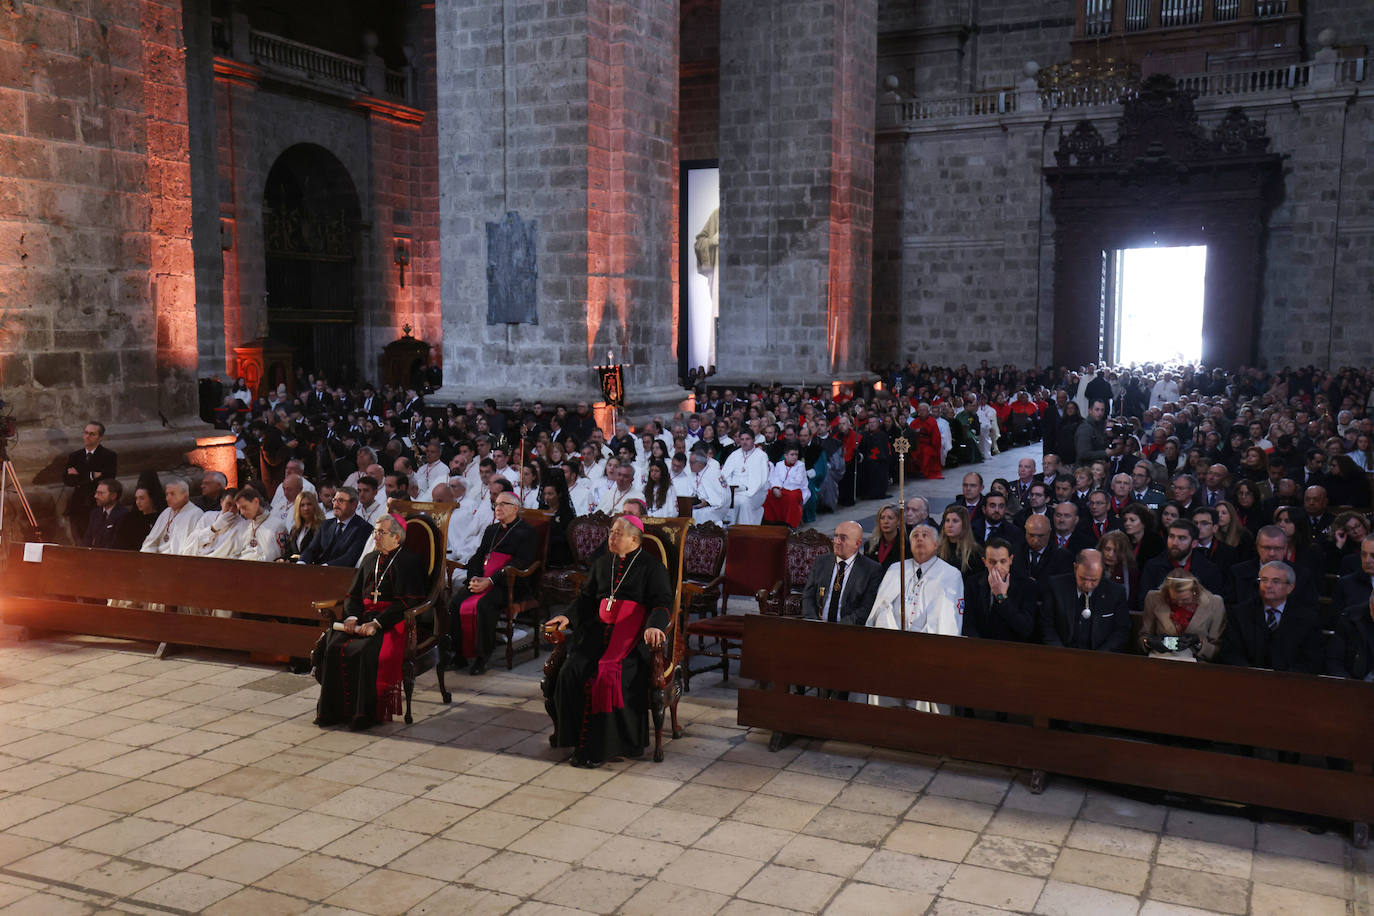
column 1274, row 629
column 480, row 601
column 342, row 538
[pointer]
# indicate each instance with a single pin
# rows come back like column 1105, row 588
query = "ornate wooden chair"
column 663, row 536
column 803, row 549
column 754, row 558
column 586, row 534
column 703, row 565
column 529, row 605
column 427, row 623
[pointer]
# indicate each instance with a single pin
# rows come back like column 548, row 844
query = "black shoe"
column 299, row 666
column 584, row 763
column 478, row 666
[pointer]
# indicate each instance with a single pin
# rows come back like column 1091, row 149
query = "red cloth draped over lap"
column 467, row 611
column 625, row 618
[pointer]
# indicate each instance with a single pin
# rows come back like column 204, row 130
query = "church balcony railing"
column 297, row 61
column 1256, row 82
column 277, row 53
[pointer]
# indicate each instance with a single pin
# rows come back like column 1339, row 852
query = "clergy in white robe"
column 746, row 470
column 711, row 498
column 613, row 499
column 260, row 536
column 370, row 506
column 583, row 494
column 680, row 478
column 215, row 531
column 934, row 600
column 174, row 530
column 465, row 527
column 432, row 473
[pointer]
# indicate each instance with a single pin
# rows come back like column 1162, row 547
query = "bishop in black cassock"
column 359, row 672
column 599, row 699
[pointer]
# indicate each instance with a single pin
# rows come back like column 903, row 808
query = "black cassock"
column 348, row 669
column 595, row 647
column 876, row 452
column 474, row 631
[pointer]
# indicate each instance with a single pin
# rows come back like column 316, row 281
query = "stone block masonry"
column 97, row 285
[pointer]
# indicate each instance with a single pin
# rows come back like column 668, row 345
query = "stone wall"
column 97, row 294
column 569, row 120
column 796, row 187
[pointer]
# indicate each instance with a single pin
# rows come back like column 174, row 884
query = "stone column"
column 798, row 93
column 567, row 120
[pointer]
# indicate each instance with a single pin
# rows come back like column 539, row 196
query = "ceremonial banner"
column 612, row 385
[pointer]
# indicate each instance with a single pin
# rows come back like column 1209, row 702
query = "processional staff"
column 901, row 446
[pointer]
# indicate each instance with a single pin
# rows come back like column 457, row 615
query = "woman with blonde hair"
column 882, row 544
column 306, row 518
column 1182, row 620
column 957, row 546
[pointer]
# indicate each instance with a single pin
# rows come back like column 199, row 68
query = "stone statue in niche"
column 512, row 271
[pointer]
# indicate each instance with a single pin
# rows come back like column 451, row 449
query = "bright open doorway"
column 1157, row 303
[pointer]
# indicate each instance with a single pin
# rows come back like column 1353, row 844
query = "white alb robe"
column 934, row 604
column 749, row 475
column 174, row 531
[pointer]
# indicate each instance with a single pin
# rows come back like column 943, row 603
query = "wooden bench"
column 44, row 596
column 1120, row 705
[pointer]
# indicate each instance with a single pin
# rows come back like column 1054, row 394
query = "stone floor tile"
column 533, row 801
column 424, row 815
column 185, row 891
column 515, row 873
column 831, row 857
column 971, row 786
column 1093, row 869
column 1030, row 825
column 187, row 807
column 710, row 801
column 445, row 860
column 561, row 842
column 835, row 763
column 374, row 844
column 710, row 871
column 259, row 903
column 1123, row 812
column 1199, row 889
column 850, row 826
column 668, row 826
column 1292, row 840
column 300, row 792
column 19, row 809
column 792, row 888
column 901, row 774
column 89, row 753
column 453, row 759
column 607, row 814
column 13, row 848
column 183, row 848
column 28, row 775
column 1198, row 855
column 471, row 791
column 859, row 899
column 191, row 773
column 119, row 877
column 1061, row 797
column 572, row 779
column 77, row 786
column 951, row 812
column 659, row 897
column 360, row 804
column 1213, row 828
column 491, row 828
column 1159, row 908
column 905, row 872
column 751, row 908
column 132, row 796
column 409, row 779
column 138, row 763
column 1112, row 840
column 308, row 831
column 751, row 841
column 1301, row 874
column 985, row 886
column 930, row 841
column 1059, row 899
column 870, row 799
column 1024, row 857
column 632, row 856
column 247, row 862
column 591, row 890
column 48, row 905
column 818, row 790
column 385, row 893
column 469, row 901
column 246, row 819
column 247, row 782
column 63, row 823
column 313, row 876
column 744, row 776
column 127, row 833
column 775, row 811
column 1268, row 900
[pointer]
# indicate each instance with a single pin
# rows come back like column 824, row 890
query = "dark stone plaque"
column 512, row 271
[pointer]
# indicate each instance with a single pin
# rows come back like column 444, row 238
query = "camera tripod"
column 10, row 478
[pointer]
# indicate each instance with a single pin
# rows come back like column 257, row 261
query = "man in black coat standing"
column 999, row 603
column 86, row 467
column 1084, row 611
column 1272, row 631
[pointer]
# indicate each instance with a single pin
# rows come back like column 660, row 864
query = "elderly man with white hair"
column 174, row 530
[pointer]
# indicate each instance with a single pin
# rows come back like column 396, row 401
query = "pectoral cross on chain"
column 376, row 591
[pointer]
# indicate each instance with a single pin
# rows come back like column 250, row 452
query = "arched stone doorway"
column 1166, row 180
column 311, row 227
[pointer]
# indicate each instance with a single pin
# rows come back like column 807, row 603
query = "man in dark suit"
column 1100, row 518
column 1142, row 487
column 342, row 539
column 993, row 523
column 1185, row 493
column 1179, row 555
column 1066, row 536
column 86, row 467
column 1083, row 610
column 842, row 585
column 1354, row 588
column 319, row 400
column 1316, row 504
column 999, row 603
column 1037, row 558
column 1271, row 544
column 372, row 405
column 1311, row 474
column 1037, row 503
column 971, row 494
column 1271, row 630
column 105, row 517
column 1350, row 650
